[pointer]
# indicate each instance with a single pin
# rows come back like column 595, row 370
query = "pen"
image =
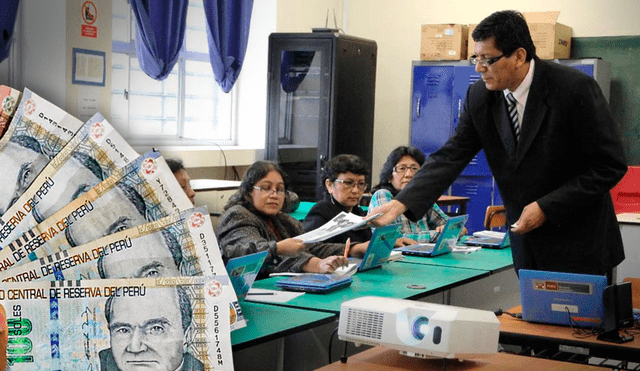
column 261, row 293
column 346, row 249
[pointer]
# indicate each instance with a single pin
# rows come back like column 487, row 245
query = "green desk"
column 492, row 260
column 302, row 210
column 266, row 322
column 392, row 280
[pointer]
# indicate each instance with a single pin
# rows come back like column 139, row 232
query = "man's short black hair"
column 174, row 164
column 509, row 30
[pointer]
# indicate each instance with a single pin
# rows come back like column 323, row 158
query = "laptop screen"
column 380, row 247
column 562, row 298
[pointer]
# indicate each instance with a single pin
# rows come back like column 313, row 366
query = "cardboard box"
column 444, row 42
column 552, row 39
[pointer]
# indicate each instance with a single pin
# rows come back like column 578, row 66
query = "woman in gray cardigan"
column 253, row 221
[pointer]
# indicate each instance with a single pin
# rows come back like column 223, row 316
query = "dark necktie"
column 513, row 115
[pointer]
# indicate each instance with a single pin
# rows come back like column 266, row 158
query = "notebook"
column 489, row 240
column 315, row 283
column 243, row 271
column 378, row 251
column 446, row 240
column 562, row 298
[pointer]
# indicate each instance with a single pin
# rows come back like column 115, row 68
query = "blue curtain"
column 227, row 32
column 7, row 23
column 159, row 34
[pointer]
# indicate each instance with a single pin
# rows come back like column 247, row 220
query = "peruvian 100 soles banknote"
column 38, row 131
column 164, row 323
column 181, row 244
column 9, row 100
column 142, row 191
column 92, row 155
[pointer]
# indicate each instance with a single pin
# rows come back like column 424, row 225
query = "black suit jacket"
column 569, row 156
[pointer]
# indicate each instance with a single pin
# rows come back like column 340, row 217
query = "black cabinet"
column 320, row 103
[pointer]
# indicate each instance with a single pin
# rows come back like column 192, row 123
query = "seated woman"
column 344, row 184
column 253, row 221
column 400, row 166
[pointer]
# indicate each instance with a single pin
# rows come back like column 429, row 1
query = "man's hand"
column 390, row 211
column 531, row 218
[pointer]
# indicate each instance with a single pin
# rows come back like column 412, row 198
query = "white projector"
column 419, row 329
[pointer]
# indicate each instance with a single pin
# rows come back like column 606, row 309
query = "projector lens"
column 420, row 327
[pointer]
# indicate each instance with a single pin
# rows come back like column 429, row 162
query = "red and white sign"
column 89, row 13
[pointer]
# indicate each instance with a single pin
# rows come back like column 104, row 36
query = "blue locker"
column 480, row 191
column 466, row 76
column 431, row 103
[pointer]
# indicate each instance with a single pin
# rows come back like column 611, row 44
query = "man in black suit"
column 556, row 177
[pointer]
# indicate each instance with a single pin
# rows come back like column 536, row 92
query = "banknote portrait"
column 146, row 335
column 121, row 207
column 22, row 159
column 152, row 255
column 86, row 173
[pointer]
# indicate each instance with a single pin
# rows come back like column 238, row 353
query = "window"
column 188, row 107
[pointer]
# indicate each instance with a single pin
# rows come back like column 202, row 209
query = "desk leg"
column 280, row 354
column 446, row 297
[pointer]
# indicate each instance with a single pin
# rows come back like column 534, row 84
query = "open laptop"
column 378, row 251
column 446, row 240
column 562, row 298
column 489, row 240
column 243, row 271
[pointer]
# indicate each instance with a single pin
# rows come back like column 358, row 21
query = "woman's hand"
column 326, row 265
column 404, row 241
column 290, row 247
column 357, row 250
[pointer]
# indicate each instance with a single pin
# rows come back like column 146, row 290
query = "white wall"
column 252, row 83
column 43, row 49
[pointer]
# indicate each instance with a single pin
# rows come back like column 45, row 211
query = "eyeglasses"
column 401, row 169
column 350, row 184
column 268, row 191
column 484, row 62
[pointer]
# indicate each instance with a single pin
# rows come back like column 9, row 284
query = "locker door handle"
column 418, row 107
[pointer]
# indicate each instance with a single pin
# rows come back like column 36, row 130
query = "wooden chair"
column 635, row 291
column 496, row 217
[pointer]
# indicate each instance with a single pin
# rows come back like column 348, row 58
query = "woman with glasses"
column 253, row 221
column 400, row 166
column 344, row 184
